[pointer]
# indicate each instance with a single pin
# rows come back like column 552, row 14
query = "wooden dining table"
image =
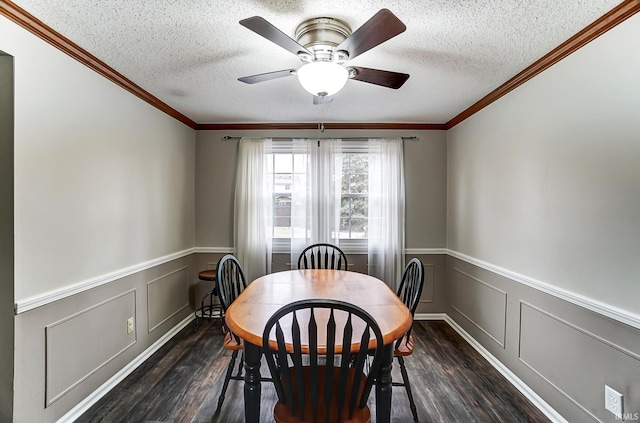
column 248, row 314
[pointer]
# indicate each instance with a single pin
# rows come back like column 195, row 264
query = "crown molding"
column 32, row 24
column 305, row 126
column 617, row 15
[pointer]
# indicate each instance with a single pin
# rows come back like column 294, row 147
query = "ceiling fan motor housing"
column 321, row 36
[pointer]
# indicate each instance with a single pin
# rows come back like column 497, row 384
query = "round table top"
column 207, row 275
column 248, row 314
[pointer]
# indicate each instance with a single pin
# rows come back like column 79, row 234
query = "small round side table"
column 209, row 309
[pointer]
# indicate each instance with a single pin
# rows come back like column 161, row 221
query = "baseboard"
column 96, row 395
column 529, row 393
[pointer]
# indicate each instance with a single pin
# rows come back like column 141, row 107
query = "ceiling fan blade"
column 381, row 27
column 322, row 100
column 261, row 27
column 267, row 76
column 388, row 79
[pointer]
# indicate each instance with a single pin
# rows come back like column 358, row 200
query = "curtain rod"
column 227, row 138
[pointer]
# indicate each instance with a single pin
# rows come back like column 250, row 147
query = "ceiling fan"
column 324, row 45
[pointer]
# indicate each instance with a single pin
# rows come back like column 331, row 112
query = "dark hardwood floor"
column 180, row 383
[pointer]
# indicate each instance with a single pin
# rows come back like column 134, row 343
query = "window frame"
column 349, row 246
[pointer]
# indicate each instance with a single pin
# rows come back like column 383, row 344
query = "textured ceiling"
column 189, row 53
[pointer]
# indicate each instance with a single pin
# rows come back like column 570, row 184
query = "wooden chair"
column 409, row 292
column 230, row 283
column 332, row 385
column 322, row 256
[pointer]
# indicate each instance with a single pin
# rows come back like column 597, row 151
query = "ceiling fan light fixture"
column 322, row 78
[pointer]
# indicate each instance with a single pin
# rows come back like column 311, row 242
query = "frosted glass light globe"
column 322, row 78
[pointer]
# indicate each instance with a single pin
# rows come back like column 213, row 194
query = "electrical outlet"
column 130, row 327
column 613, row 401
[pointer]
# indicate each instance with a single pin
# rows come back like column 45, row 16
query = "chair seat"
column 231, row 343
column 405, row 348
column 282, row 412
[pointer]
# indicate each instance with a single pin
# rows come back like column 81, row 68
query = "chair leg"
column 407, row 386
column 227, row 377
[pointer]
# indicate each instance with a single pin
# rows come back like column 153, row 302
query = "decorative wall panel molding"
column 104, row 389
column 429, row 282
column 541, row 404
column 167, row 296
column 481, row 303
column 549, row 346
column 79, row 345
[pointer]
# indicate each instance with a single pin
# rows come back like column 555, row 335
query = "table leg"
column 252, row 356
column 383, row 386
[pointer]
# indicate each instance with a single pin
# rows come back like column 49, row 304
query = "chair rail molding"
column 607, row 310
column 214, row 250
column 48, row 297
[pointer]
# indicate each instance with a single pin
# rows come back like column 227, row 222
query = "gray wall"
column 565, row 353
column 542, row 183
column 104, row 181
column 544, row 189
column 6, row 238
column 104, row 228
column 425, row 176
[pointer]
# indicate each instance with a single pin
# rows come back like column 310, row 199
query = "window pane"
column 344, row 229
column 279, row 232
column 358, row 184
column 358, row 228
column 346, row 160
column 282, row 216
column 359, row 207
column 359, row 163
column 282, row 182
column 283, row 163
column 345, row 207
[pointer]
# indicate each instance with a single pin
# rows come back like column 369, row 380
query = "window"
column 287, row 171
column 290, row 193
column 354, row 196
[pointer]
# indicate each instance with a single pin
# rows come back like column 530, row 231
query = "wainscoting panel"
column 429, row 281
column 167, row 296
column 482, row 304
column 570, row 358
column 79, row 345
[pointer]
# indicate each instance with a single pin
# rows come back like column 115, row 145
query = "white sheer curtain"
column 252, row 207
column 315, row 200
column 386, row 210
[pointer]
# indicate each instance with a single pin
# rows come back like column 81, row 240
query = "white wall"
column 103, row 180
column 545, row 182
